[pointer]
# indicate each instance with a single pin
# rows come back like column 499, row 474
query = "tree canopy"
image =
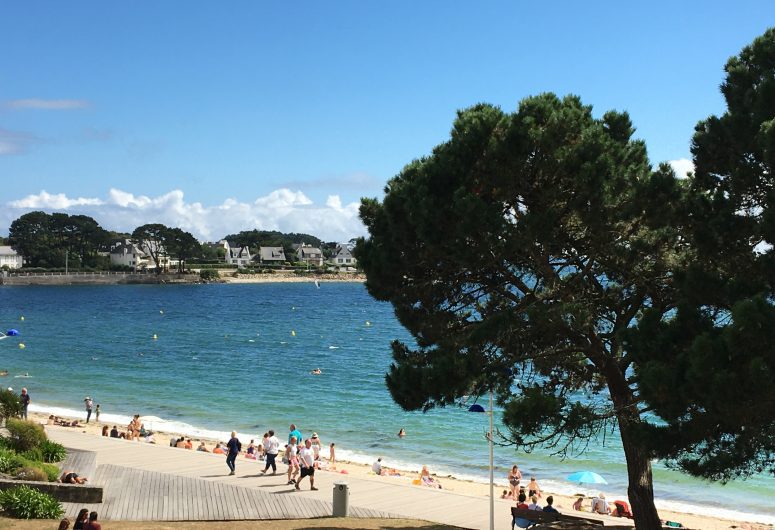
column 539, row 255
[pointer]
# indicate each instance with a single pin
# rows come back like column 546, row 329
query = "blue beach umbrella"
column 586, row 477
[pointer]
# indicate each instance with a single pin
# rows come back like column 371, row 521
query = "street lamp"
column 478, row 408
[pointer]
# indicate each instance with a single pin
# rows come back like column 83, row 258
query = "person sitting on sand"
column 600, row 505
column 376, row 467
column 506, row 495
column 181, row 444
column 71, row 477
column 427, row 479
column 549, row 505
column 578, row 505
column 189, row 445
column 105, row 430
column 51, row 422
column 114, row 432
column 202, row 448
column 218, row 450
column 250, row 452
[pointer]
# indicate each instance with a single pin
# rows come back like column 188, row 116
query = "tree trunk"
column 640, row 489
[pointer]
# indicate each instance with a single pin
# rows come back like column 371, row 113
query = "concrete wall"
column 61, row 492
column 95, row 279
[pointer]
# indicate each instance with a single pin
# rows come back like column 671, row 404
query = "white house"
column 342, row 257
column 236, row 255
column 127, row 254
column 310, row 255
column 10, row 258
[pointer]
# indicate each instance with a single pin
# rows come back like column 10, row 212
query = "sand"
column 564, row 503
column 291, row 277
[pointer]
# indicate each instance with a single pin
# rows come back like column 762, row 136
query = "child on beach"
column 293, row 461
column 97, row 413
column 332, row 456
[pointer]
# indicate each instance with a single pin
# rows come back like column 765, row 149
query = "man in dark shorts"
column 307, row 462
column 25, row 399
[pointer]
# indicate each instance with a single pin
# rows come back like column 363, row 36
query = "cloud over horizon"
column 283, row 209
column 46, row 104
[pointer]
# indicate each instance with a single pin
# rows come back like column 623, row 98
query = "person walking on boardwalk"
column 25, row 399
column 235, row 447
column 272, row 447
column 88, row 403
column 307, row 462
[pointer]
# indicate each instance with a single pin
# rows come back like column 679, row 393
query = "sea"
column 208, row 359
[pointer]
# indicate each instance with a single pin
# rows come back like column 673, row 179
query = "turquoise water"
column 239, row 356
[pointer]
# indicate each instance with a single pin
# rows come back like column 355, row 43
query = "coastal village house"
column 10, row 258
column 342, row 257
column 271, row 255
column 309, row 255
column 128, row 254
column 235, row 254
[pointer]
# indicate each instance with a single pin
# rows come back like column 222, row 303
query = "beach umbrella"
column 476, row 407
column 586, row 477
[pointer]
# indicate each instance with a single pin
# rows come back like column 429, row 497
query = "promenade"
column 155, row 482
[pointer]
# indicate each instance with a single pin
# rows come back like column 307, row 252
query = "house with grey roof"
column 309, row 255
column 271, row 255
column 128, row 254
column 342, row 257
column 235, row 254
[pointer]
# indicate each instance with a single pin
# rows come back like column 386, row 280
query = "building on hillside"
column 271, row 255
column 235, row 254
column 309, row 255
column 10, row 258
column 342, row 257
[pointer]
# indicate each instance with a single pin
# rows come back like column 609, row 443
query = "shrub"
column 31, row 473
column 11, row 463
column 25, row 434
column 35, row 454
column 5, row 443
column 209, row 275
column 52, row 451
column 10, row 404
column 24, row 502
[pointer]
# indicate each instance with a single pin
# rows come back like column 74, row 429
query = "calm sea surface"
column 239, row 356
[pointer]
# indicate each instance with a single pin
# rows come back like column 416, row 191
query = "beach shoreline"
column 292, row 277
column 449, row 483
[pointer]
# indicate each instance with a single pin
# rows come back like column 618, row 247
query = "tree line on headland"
column 53, row 240
column 539, row 256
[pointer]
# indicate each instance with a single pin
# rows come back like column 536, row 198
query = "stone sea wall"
column 95, row 278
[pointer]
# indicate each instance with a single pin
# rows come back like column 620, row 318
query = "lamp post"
column 478, row 408
column 492, row 485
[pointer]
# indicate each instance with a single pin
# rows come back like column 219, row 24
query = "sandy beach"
column 292, row 277
column 564, row 503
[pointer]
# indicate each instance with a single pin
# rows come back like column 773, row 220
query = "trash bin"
column 341, row 499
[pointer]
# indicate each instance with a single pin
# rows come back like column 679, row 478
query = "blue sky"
column 219, row 117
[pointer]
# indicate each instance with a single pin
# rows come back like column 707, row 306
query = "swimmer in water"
column 316, row 371
column 401, row 433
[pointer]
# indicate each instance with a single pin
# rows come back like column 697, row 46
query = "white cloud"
column 14, row 142
column 283, row 209
column 45, row 200
column 682, row 166
column 47, row 104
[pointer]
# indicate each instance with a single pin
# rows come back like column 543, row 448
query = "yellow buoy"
column 22, row 318
column 22, row 346
column 293, row 333
column 161, row 312
column 155, row 337
column 368, row 323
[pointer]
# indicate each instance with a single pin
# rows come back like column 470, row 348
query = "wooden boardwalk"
column 139, row 495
